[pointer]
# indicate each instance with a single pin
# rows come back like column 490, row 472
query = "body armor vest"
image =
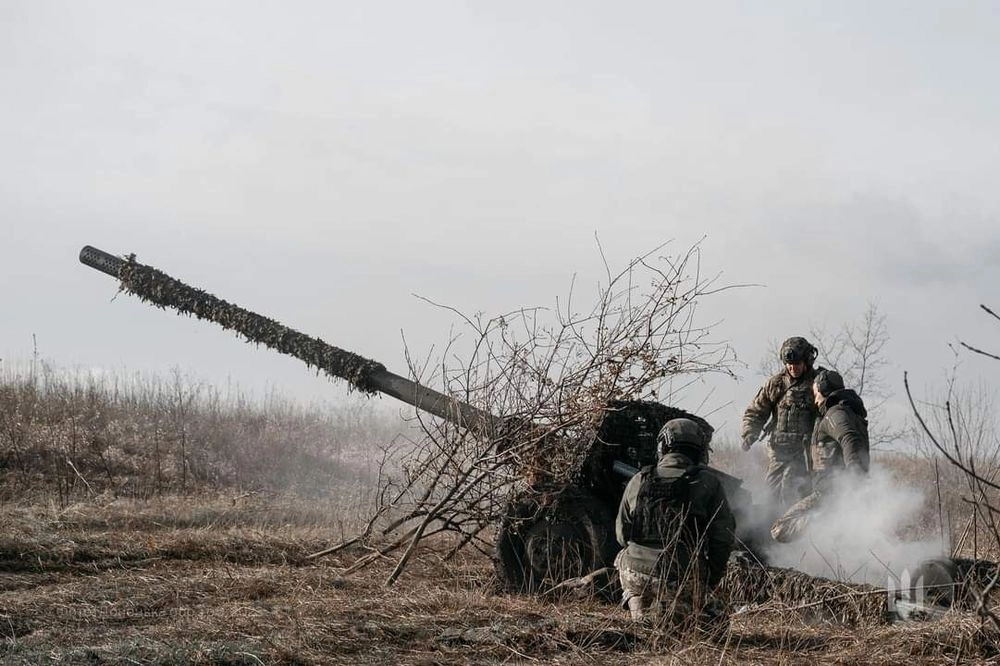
column 795, row 414
column 663, row 512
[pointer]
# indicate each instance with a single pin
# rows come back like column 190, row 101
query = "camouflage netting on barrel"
column 747, row 583
column 161, row 290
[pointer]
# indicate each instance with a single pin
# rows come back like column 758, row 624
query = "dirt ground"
column 227, row 581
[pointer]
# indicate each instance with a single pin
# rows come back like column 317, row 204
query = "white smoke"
column 859, row 533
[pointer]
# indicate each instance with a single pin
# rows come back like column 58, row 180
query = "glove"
column 747, row 442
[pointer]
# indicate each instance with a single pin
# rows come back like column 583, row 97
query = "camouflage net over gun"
column 163, row 291
column 747, row 583
column 959, row 583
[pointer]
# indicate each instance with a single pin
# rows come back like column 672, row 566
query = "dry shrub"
column 69, row 436
column 961, row 429
column 551, row 375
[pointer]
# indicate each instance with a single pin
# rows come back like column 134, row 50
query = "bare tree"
column 857, row 350
column 551, row 374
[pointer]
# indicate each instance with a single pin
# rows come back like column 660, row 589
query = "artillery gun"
column 542, row 537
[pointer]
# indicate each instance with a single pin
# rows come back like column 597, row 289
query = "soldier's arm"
column 719, row 537
column 847, row 430
column 626, row 511
column 760, row 408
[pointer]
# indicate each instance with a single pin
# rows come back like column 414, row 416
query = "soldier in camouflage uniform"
column 839, row 446
column 785, row 402
column 676, row 531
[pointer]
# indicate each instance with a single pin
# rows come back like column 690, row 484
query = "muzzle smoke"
column 859, row 533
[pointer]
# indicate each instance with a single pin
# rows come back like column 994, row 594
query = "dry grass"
column 207, row 581
column 68, row 436
column 149, row 549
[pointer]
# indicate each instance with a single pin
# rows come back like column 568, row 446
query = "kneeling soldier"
column 676, row 530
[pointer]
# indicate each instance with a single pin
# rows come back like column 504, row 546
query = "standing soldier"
column 676, row 531
column 839, row 446
column 785, row 403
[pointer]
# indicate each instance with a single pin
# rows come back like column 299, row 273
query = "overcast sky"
column 322, row 162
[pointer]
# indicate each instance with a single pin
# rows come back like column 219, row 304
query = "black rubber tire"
column 934, row 583
column 540, row 544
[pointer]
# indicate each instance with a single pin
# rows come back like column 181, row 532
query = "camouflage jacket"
column 707, row 499
column 840, row 439
column 789, row 402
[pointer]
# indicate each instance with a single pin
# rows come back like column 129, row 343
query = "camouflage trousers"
column 794, row 523
column 661, row 602
column 787, row 473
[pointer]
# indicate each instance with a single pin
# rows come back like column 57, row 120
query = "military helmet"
column 797, row 350
column 678, row 433
column 828, row 381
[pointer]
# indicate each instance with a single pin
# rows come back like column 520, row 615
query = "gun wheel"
column 934, row 582
column 540, row 544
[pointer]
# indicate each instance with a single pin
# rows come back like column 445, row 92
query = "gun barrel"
column 361, row 373
column 101, row 260
column 624, row 469
column 431, row 401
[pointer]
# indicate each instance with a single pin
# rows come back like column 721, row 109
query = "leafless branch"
column 980, row 351
column 550, row 373
column 951, row 457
